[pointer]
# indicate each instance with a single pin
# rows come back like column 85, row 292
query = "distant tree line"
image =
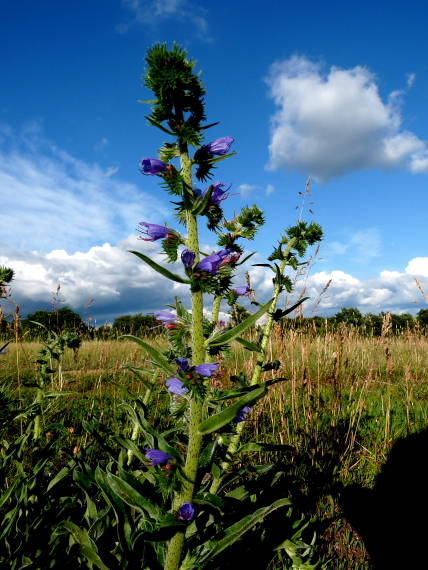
column 37, row 324
column 369, row 324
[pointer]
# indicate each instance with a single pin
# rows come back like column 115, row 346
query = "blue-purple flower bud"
column 242, row 415
column 241, row 290
column 157, row 457
column 176, row 386
column 188, row 258
column 182, row 363
column 186, row 512
column 211, row 263
column 219, row 146
column 165, row 317
column 154, row 231
column 152, row 166
column 207, row 369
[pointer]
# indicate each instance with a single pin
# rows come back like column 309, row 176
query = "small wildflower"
column 242, row 415
column 212, row 263
column 152, row 166
column 165, row 317
column 157, row 457
column 241, row 290
column 188, row 258
column 176, row 386
column 186, row 512
column 207, row 369
column 220, row 146
column 182, row 363
column 154, row 231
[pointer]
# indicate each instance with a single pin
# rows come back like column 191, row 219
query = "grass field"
column 347, row 400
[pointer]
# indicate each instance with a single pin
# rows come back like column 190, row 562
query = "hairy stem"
column 175, row 547
column 258, row 369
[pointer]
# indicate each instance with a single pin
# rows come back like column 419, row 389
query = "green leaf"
column 225, row 337
column 61, row 474
column 157, row 357
column 246, row 258
column 132, row 497
column 219, row 420
column 213, row 548
column 162, row 270
column 236, row 393
column 282, row 313
column 87, row 546
column 248, row 345
column 202, row 203
column 253, row 446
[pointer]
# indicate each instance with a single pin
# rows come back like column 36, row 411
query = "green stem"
column 258, row 369
column 175, row 547
column 39, row 400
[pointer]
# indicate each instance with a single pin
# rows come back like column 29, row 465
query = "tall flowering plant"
column 174, row 494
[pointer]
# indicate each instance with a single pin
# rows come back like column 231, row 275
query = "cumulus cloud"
column 50, row 198
column 119, row 283
column 116, row 280
column 328, row 124
column 418, row 266
column 150, row 12
column 393, row 291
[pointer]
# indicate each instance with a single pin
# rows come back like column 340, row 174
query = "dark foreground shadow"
column 392, row 518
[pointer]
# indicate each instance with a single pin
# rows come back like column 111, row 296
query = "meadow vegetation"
column 271, row 443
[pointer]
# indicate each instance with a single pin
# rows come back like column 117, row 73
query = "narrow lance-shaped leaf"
column 202, row 203
column 225, row 337
column 248, row 345
column 87, row 546
column 162, row 270
column 213, row 548
column 280, row 313
column 157, row 357
column 219, row 420
column 131, row 496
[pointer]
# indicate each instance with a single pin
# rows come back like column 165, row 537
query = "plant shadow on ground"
column 391, row 517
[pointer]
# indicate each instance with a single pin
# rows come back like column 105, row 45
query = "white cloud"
column 247, row 189
column 328, row 124
column 270, row 189
column 392, row 291
column 150, row 12
column 52, row 199
column 361, row 246
column 418, row 266
column 120, row 283
column 117, row 280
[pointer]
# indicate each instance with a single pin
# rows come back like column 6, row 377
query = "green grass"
column 346, row 401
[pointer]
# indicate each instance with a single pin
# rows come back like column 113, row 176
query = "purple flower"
column 182, row 363
column 157, row 457
column 188, row 258
column 186, row 512
column 153, row 166
column 242, row 415
column 241, row 290
column 211, row 263
column 154, row 231
column 176, row 386
column 165, row 317
column 219, row 146
column 207, row 369
column 219, row 193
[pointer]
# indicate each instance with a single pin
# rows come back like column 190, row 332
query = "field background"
column 347, row 400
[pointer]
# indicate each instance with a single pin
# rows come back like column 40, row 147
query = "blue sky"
column 331, row 90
